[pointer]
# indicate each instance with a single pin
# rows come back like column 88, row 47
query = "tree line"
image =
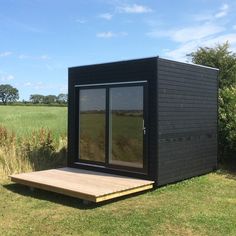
column 48, row 99
column 9, row 94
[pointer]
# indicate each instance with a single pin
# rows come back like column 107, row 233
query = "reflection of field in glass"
column 92, row 136
column 126, row 137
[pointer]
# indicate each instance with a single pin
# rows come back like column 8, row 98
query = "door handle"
column 144, row 128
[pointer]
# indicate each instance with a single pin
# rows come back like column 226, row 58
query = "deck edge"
column 124, row 192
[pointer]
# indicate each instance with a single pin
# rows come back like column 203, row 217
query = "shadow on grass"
column 228, row 168
column 62, row 199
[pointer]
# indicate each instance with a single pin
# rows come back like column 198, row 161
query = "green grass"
column 203, row 205
column 23, row 120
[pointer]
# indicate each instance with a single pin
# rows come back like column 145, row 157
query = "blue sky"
column 40, row 39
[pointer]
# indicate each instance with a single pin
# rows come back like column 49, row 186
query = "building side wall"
column 187, row 120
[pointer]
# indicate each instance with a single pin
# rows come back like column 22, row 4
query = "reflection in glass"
column 126, row 123
column 92, row 124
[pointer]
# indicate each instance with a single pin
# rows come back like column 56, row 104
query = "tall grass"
column 36, row 152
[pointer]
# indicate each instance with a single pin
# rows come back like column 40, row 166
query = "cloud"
column 5, row 54
column 41, row 57
column 27, row 84
column 188, row 33
column 134, row 8
column 223, row 11
column 180, row 52
column 6, row 77
column 207, row 29
column 43, row 87
column 212, row 15
column 110, row 34
column 80, row 21
column 44, row 57
column 106, row 16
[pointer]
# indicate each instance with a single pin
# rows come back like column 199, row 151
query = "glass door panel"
column 92, row 123
column 126, row 126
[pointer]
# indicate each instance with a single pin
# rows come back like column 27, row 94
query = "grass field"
column 23, row 120
column 203, row 205
column 32, row 138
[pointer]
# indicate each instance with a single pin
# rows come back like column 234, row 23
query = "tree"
column 227, row 120
column 8, row 93
column 62, row 98
column 49, row 99
column 36, row 98
column 221, row 57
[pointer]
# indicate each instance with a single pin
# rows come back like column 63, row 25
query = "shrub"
column 37, row 152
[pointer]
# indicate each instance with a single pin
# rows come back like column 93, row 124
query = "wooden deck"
column 87, row 185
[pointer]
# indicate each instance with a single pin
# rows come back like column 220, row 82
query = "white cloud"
column 206, row 30
column 180, row 52
column 23, row 56
column 106, row 16
column 203, row 16
column 6, row 78
column 223, row 11
column 27, row 84
column 80, row 21
column 5, row 54
column 211, row 15
column 188, row 33
column 135, row 8
column 43, row 87
column 41, row 57
column 44, row 57
column 110, row 34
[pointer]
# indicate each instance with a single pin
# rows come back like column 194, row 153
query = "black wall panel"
column 187, row 120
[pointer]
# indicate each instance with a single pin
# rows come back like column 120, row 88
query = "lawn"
column 203, row 205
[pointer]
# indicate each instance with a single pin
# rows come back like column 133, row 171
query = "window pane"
column 92, row 124
column 126, row 126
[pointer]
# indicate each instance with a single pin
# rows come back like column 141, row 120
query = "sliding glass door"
column 112, row 126
column 126, row 126
column 92, row 121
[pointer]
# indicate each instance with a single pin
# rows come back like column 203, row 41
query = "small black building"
column 150, row 118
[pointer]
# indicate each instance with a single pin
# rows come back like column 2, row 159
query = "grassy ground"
column 204, row 205
column 23, row 120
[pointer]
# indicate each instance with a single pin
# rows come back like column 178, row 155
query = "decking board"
column 87, row 185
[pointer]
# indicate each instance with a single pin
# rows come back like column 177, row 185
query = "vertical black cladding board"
column 71, row 120
column 187, row 120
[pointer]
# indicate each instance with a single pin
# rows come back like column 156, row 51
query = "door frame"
column 106, row 163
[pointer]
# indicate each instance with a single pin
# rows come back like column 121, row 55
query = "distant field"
column 23, row 120
column 126, row 130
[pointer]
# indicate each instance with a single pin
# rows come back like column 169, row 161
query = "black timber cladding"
column 133, row 70
column 182, row 114
column 187, row 120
